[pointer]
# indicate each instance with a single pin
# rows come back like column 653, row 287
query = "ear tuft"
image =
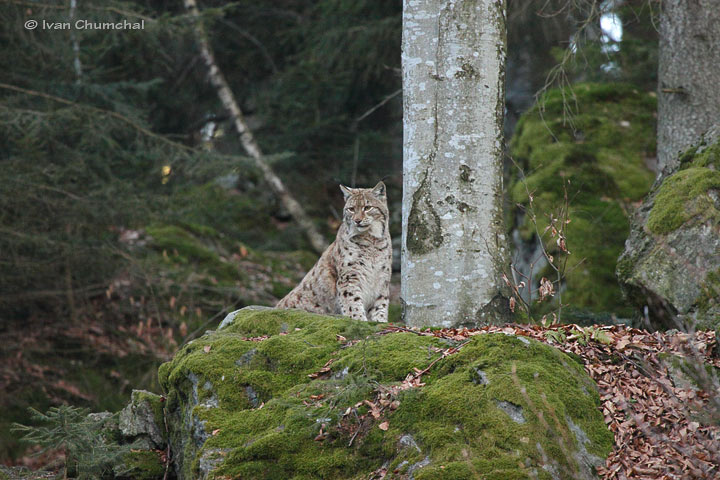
column 379, row 190
column 346, row 191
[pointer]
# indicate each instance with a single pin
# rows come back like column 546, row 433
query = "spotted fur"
column 352, row 276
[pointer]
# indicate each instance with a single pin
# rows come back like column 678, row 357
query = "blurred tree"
column 535, row 29
column 246, row 136
column 453, row 247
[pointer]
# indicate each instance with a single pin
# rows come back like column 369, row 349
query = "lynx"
column 352, row 276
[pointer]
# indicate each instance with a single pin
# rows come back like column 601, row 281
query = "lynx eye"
column 351, row 209
column 367, row 208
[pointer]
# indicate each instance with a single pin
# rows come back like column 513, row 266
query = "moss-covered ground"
column 266, row 414
column 594, row 140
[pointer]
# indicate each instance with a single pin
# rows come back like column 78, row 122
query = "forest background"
column 131, row 220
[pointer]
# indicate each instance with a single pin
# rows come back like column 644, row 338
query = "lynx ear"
column 346, row 191
column 379, row 190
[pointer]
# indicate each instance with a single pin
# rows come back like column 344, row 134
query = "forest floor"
column 660, row 393
column 659, row 390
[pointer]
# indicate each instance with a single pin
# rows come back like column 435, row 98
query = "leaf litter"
column 664, row 428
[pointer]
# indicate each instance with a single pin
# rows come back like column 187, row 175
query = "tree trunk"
column 453, row 245
column 688, row 75
column 246, row 137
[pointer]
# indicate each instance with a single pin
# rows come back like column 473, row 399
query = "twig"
column 382, row 102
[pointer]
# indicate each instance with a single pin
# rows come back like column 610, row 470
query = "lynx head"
column 365, row 210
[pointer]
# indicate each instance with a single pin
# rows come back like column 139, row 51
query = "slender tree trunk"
column 75, row 44
column 246, row 137
column 688, row 75
column 453, row 245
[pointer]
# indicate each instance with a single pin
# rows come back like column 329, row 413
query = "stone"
column 670, row 268
column 142, row 419
column 294, row 408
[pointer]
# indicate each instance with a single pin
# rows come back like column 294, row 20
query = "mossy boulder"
column 280, row 394
column 593, row 141
column 671, row 261
column 142, row 420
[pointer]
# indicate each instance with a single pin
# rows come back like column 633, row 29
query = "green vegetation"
column 143, row 465
column 135, row 142
column 687, row 194
column 261, row 405
column 683, row 196
column 600, row 147
column 91, row 452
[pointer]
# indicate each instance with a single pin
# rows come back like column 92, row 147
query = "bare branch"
column 227, row 98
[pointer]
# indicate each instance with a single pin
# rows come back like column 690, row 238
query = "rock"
column 284, row 412
column 515, row 412
column 601, row 147
column 670, row 268
column 142, row 420
column 689, row 374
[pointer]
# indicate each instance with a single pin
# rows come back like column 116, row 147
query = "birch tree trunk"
column 246, row 136
column 688, row 75
column 453, row 245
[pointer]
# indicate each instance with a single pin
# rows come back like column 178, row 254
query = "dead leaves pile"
column 665, row 428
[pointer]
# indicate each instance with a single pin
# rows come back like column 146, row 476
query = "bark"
column 217, row 79
column 453, row 244
column 688, row 75
column 75, row 44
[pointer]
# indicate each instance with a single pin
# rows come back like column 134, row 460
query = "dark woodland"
column 134, row 219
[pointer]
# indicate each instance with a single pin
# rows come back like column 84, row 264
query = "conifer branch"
column 116, row 115
column 227, row 98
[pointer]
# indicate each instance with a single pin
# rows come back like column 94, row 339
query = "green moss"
column 600, row 150
column 683, row 196
column 454, row 419
column 143, row 465
column 394, row 313
column 240, row 216
column 708, row 301
column 181, row 246
column 701, row 156
column 409, row 351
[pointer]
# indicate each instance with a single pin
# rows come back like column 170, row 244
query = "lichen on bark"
column 424, row 231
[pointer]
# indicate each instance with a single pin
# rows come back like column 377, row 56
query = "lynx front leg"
column 351, row 305
column 379, row 311
column 349, row 298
